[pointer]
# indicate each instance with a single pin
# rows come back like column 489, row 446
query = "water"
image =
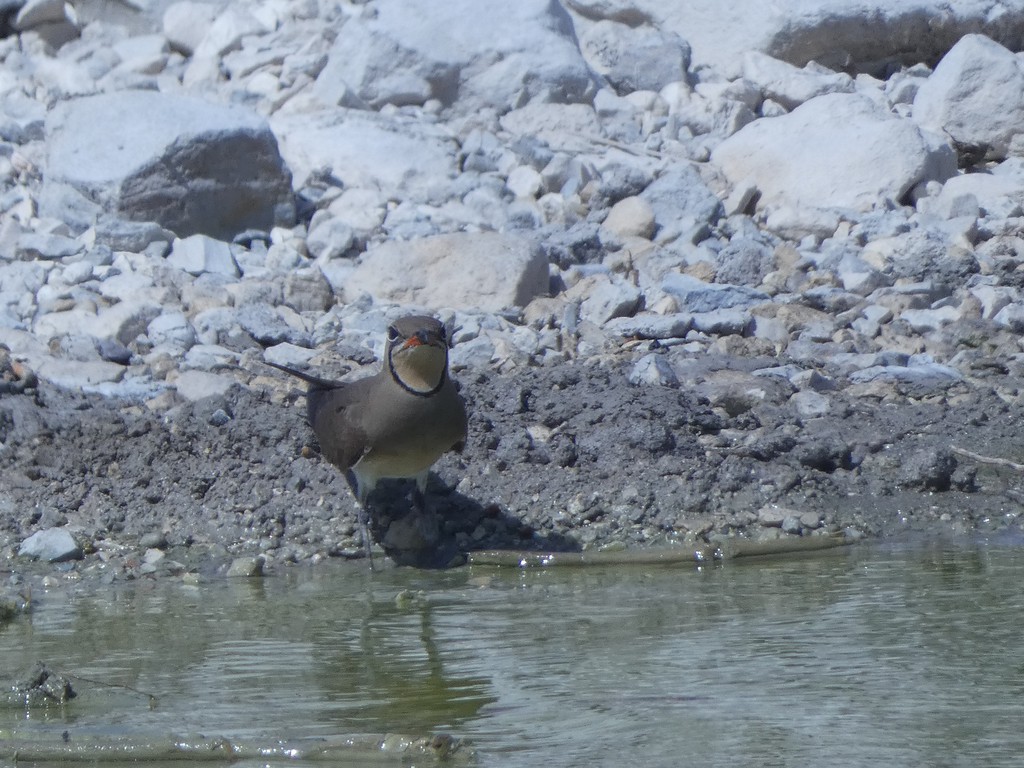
column 866, row 656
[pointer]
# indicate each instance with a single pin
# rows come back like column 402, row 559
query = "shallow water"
column 865, row 656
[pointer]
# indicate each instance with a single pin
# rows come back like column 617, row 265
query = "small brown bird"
column 394, row 424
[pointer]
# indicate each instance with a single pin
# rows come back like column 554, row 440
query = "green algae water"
column 863, row 656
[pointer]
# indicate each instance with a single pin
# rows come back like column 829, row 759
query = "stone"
column 368, row 151
column 190, row 165
column 197, row 254
column 468, row 54
column 54, row 545
column 723, row 322
column 484, row 270
column 648, row 326
column 958, row 98
column 246, row 568
column 882, row 158
column 791, row 86
column 682, row 203
column 196, row 385
column 695, row 295
column 186, row 22
column 653, row 369
column 77, row 374
column 853, row 36
column 603, row 298
column 630, row 217
column 172, row 329
column 635, row 58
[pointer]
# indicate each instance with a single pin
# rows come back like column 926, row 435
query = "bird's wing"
column 333, row 414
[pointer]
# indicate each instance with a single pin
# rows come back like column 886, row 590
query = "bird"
column 395, row 424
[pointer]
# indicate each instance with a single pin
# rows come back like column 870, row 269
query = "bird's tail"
column 315, row 382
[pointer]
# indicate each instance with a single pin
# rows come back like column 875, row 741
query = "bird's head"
column 417, row 353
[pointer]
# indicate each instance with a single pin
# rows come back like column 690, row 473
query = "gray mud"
column 563, row 458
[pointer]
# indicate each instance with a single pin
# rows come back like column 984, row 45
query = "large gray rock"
column 975, row 95
column 479, row 53
column 463, row 270
column 188, row 164
column 842, row 34
column 635, row 58
column 835, row 151
column 54, row 545
column 368, row 151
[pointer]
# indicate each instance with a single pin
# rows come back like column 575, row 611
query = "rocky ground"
column 763, row 282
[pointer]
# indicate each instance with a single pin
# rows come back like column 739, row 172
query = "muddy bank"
column 567, row 457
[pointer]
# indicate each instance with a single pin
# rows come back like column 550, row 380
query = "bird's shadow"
column 451, row 525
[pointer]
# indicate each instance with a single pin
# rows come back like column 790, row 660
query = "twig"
column 988, row 459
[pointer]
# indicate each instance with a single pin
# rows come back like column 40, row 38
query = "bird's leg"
column 419, row 493
column 361, row 489
column 363, row 517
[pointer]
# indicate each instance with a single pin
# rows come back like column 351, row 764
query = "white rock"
column 185, row 23
column 462, row 270
column 190, row 165
column 858, row 35
column 630, row 217
column 635, row 58
column 54, row 545
column 226, row 32
column 524, row 181
column 77, row 374
column 171, row 329
column 195, row 385
column 197, row 254
column 810, row 405
column 476, row 53
column 648, row 326
column 791, row 86
column 604, row 297
column 368, row 151
column 834, row 151
column 653, row 369
column 960, row 97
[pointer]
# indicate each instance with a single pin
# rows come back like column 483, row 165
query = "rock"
column 484, row 270
column 197, row 254
column 929, row 469
column 172, row 330
column 55, row 21
column 957, row 99
column 630, row 217
column 653, row 369
column 469, row 54
column 77, row 374
column 190, row 165
column 246, row 568
column 54, row 545
column 647, row 326
column 851, row 36
column 196, row 385
column 603, row 298
column 723, row 322
column 682, row 204
column 791, row 86
column 635, row 58
column 368, row 151
column 810, row 405
column 695, row 295
column 185, row 22
column 883, row 157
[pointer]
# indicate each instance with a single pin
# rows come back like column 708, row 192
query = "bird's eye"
column 393, row 333
column 443, row 333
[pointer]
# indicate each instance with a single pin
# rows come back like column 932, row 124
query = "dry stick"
column 153, row 698
column 988, row 459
